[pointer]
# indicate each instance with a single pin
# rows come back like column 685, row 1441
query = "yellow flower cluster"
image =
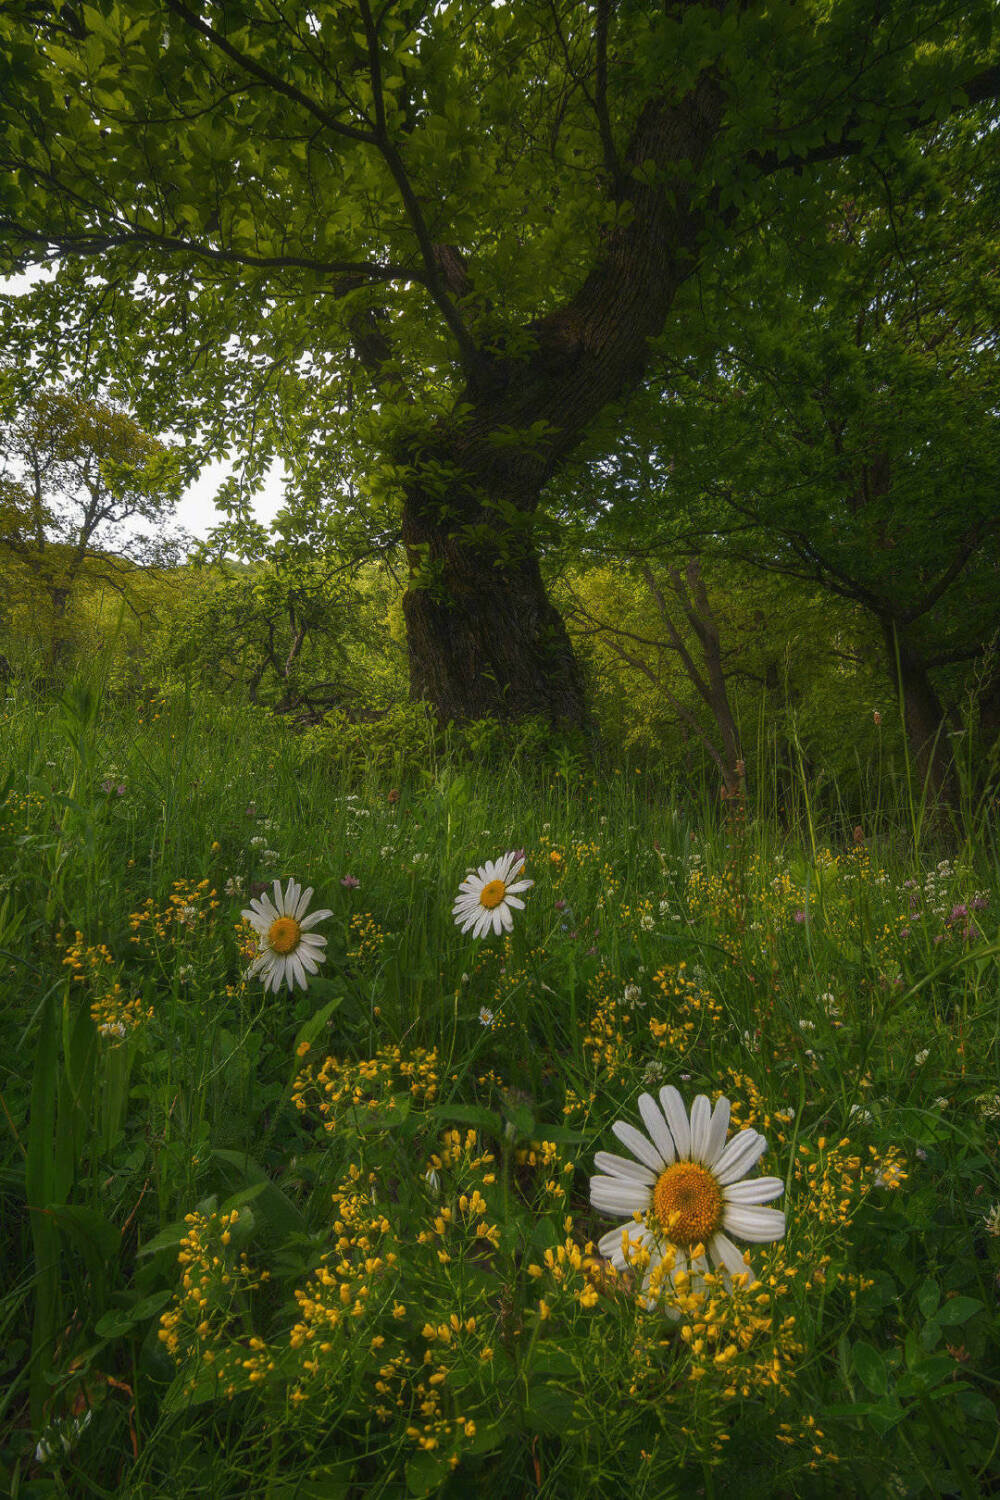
column 546, row 1159
column 190, row 907
column 353, row 1280
column 568, row 1273
column 115, row 1015
column 366, row 940
column 85, row 961
column 16, row 811
column 369, row 1083
column 831, row 1180
column 350, row 1319
column 692, row 1011
column 607, row 1038
column 202, row 1317
column 583, row 852
column 116, row 1018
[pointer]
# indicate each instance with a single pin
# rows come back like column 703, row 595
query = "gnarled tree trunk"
column 483, row 637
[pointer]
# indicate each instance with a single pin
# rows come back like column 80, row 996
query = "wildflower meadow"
column 435, row 1121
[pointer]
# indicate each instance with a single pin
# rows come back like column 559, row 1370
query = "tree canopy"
column 427, row 248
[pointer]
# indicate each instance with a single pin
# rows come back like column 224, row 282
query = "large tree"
column 430, row 243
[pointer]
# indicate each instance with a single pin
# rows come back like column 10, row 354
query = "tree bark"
column 484, row 639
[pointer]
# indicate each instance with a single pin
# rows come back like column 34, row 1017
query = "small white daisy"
column 683, row 1191
column 486, row 896
column 288, row 949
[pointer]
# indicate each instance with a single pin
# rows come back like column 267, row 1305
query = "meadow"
column 345, row 1239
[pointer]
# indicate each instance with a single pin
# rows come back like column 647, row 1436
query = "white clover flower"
column 486, row 896
column 922, row 1057
column 991, row 1220
column 683, row 1192
column 289, row 950
column 646, row 922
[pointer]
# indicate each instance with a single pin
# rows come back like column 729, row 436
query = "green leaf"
column 870, row 1368
column 167, row 1239
column 425, row 1472
column 466, row 1114
column 311, row 1029
column 928, row 1297
column 550, row 1410
column 274, row 1205
column 956, row 1310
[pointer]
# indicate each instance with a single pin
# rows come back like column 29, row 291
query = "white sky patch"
column 197, row 514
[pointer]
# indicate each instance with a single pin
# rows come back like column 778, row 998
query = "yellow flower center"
column 492, row 894
column 283, row 935
column 688, row 1204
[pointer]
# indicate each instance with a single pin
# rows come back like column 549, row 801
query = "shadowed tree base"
column 486, row 642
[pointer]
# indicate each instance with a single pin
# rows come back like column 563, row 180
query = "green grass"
column 779, row 965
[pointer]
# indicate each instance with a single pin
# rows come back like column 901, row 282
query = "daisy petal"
column 620, row 1166
column 673, row 1108
column 717, row 1132
column 754, row 1190
column 701, row 1122
column 742, row 1153
column 727, row 1256
column 612, row 1195
column 314, row 916
column 654, row 1122
column 638, row 1144
column 758, row 1225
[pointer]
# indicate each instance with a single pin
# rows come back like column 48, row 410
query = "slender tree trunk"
column 924, row 716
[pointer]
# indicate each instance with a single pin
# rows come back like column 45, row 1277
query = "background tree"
column 847, row 432
column 800, row 671
column 76, row 478
column 445, row 237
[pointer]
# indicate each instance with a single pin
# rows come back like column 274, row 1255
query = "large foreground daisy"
column 485, row 898
column 685, row 1193
column 288, row 950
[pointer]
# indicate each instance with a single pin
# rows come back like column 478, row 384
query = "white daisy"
column 486, row 896
column 288, row 949
column 684, row 1191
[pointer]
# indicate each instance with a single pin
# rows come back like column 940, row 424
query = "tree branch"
column 89, row 244
column 272, row 80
